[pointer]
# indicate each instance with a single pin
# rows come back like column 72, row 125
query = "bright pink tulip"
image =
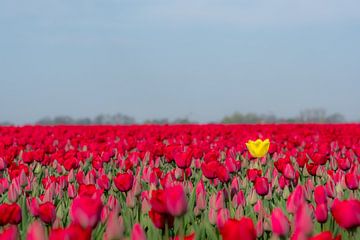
column 321, row 213
column 137, row 232
column 176, row 201
column 279, row 223
column 86, row 211
column 346, row 213
column 296, row 199
column 320, row 195
column 10, row 233
column 352, row 181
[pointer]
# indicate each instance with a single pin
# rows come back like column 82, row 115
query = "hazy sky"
column 163, row 58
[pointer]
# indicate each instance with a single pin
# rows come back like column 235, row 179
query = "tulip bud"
column 222, row 216
column 114, row 227
column 13, row 194
column 212, row 216
column 295, row 199
column 321, row 213
column 130, row 199
column 71, row 191
column 259, row 228
column 303, row 220
column 279, row 223
column 289, row 171
column 36, row 231
column 137, row 232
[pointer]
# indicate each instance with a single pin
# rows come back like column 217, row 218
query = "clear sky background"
column 185, row 58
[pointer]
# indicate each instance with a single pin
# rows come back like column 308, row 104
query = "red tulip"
column 344, row 164
column 159, row 220
column 223, row 174
column 352, row 181
column 320, row 195
column 209, row 169
column 47, row 212
column 176, row 202
column 124, row 181
column 242, row 229
column 183, row 159
column 279, row 223
column 158, row 201
column 262, row 186
column 252, row 174
column 10, row 213
column 346, row 213
column 322, row 236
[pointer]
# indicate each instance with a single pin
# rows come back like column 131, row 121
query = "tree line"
column 305, row 116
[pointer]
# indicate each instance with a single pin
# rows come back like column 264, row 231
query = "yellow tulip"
column 258, row 148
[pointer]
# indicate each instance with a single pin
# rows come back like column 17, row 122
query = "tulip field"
column 284, row 181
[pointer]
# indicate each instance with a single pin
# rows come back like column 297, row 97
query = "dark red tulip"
column 262, row 186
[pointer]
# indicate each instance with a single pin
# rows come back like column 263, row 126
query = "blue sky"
column 197, row 59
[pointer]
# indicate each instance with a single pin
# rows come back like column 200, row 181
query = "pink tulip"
column 176, row 201
column 321, row 213
column 279, row 223
column 137, row 232
column 114, row 227
column 86, row 211
column 296, row 199
column 36, row 231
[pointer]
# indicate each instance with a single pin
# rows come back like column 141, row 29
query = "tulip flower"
column 262, row 186
column 346, row 213
column 158, row 201
column 258, row 148
column 36, row 231
column 46, row 212
column 10, row 213
column 279, row 223
column 176, row 201
column 138, row 233
column 320, row 195
column 242, row 229
column 10, row 233
column 86, row 211
column 321, row 213
column 352, row 181
column 124, row 181
column 114, row 227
